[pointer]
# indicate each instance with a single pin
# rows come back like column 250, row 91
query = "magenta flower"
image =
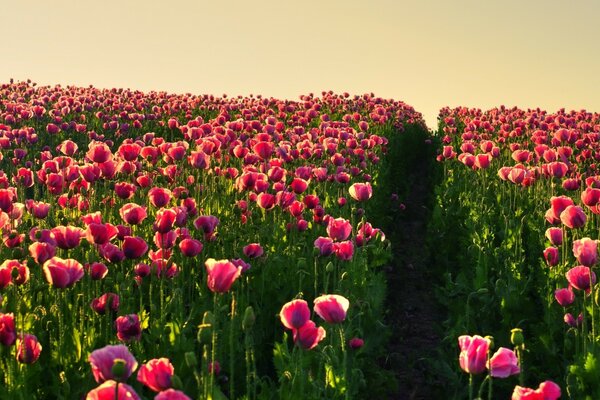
column 339, row 229
column 361, row 191
column 99, row 152
column 106, row 391
column 294, row 314
column 190, row 247
column 356, row 343
column 504, row 363
column 133, row 214
column 325, row 245
column 128, row 328
column 13, row 271
column 40, row 251
column 67, row 237
column 344, row 250
column 171, row 394
column 473, row 353
column 134, row 247
column 309, row 335
column 579, row 277
column 100, row 233
column 551, row 256
column 62, row 273
column 28, row 349
column 586, row 251
column 221, row 274
column 331, row 307
column 106, row 302
column 573, row 217
column 547, row 390
column 102, row 362
column 8, row 334
column 156, row 374
column 253, row 250
column 555, row 236
column 565, row 296
column 159, row 197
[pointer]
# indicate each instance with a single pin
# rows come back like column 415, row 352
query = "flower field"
column 162, row 246
column 177, row 246
column 519, row 197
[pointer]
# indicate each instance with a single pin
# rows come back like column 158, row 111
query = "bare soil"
column 413, row 313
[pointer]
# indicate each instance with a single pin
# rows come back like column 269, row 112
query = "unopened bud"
column 119, row 368
column 516, row 337
column 176, row 382
column 205, row 328
column 249, row 318
column 190, row 359
column 329, row 267
column 491, row 339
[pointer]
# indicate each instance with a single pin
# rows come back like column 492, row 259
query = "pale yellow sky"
column 429, row 54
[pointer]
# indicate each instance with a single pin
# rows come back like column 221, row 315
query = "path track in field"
column 413, row 312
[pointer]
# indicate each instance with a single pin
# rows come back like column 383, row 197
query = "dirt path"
column 413, row 312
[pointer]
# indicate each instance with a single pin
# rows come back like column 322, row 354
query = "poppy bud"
column 516, row 337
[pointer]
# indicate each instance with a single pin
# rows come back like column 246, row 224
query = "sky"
column 429, row 54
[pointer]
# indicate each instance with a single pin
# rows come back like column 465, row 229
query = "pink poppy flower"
column 253, row 250
column 7, row 198
column 67, row 147
column 40, row 251
column 98, row 152
column 98, row 233
column 551, row 256
column 332, row 308
column 325, row 246
column 159, row 197
column 266, row 201
column 67, row 237
column 102, row 362
column 555, row 236
column 106, row 391
column 171, row 394
column 62, row 273
column 579, row 277
column 133, row 214
column 206, row 223
column 111, row 253
column 557, row 206
column 28, row 349
column 8, row 334
column 564, row 296
column 97, row 270
column 190, row 247
column 221, row 274
column 339, row 229
column 344, row 250
column 356, row 343
column 586, row 251
column 156, row 374
column 128, row 328
column 547, row 390
column 309, row 335
column 129, row 151
column 361, row 191
column 503, row 363
column 294, row 314
column 573, row 217
column 37, row 209
column 134, row 247
column 106, row 302
column 13, row 271
column 473, row 353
